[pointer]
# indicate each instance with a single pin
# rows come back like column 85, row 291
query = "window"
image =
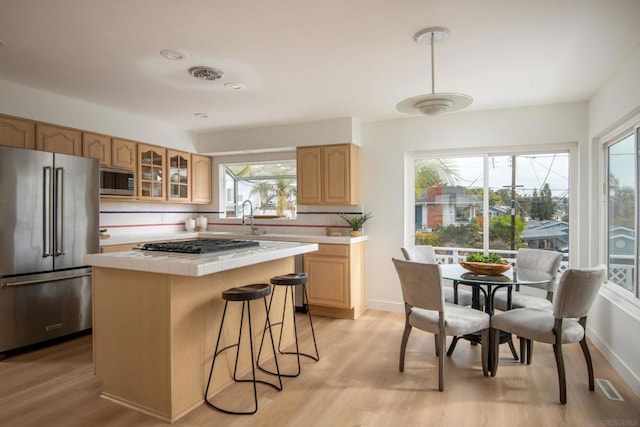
column 493, row 202
column 270, row 186
column 622, row 211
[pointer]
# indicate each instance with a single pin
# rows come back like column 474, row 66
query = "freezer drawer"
column 40, row 307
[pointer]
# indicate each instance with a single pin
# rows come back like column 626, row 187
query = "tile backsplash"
column 122, row 218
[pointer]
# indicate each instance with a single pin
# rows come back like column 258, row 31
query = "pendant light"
column 435, row 103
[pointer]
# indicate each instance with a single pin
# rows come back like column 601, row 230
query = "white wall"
column 382, row 163
column 614, row 323
column 335, row 131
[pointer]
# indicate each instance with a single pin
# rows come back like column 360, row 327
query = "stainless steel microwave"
column 116, row 182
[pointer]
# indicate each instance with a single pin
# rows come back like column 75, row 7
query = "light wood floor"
column 355, row 383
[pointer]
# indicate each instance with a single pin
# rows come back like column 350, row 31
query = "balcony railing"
column 621, row 269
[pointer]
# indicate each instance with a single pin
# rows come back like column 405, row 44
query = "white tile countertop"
column 201, row 264
column 303, row 238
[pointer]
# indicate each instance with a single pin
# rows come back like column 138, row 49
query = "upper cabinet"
column 151, row 172
column 328, row 175
column 162, row 174
column 97, row 146
column 56, row 139
column 179, row 176
column 309, row 171
column 200, row 179
column 123, row 154
column 112, row 152
column 18, row 133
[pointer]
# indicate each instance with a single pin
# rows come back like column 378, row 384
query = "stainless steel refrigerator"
column 48, row 222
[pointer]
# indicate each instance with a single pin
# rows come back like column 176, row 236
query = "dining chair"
column 426, row 253
column 426, row 309
column 531, row 259
column 565, row 324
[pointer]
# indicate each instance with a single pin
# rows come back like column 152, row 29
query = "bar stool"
column 245, row 294
column 290, row 282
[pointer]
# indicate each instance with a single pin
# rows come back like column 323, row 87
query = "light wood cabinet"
column 151, row 172
column 56, row 139
column 336, row 284
column 178, row 176
column 120, row 248
column 97, row 146
column 123, row 154
column 161, row 174
column 18, row 133
column 309, row 171
column 200, row 179
column 328, row 175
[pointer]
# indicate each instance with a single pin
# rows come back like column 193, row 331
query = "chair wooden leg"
column 495, row 350
column 529, row 351
column 523, row 349
column 403, row 343
column 486, row 343
column 441, row 343
column 587, row 354
column 557, row 351
column 587, row 358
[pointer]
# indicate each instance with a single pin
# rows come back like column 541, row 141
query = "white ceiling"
column 302, row 60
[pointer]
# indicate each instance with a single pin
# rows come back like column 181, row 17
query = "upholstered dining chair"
column 531, row 259
column 426, row 253
column 565, row 324
column 426, row 309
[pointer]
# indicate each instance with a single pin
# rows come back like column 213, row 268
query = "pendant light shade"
column 435, row 103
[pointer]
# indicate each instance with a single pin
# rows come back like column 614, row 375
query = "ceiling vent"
column 206, row 73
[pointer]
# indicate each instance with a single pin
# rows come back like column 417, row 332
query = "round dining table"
column 489, row 285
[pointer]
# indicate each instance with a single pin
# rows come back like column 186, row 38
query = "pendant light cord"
column 433, row 65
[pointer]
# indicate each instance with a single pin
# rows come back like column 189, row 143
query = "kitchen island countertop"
column 198, row 264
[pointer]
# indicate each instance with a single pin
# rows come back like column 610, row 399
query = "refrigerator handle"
column 59, row 212
column 46, row 212
column 4, row 283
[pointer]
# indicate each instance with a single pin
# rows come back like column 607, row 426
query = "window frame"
column 219, row 162
column 571, row 148
column 617, row 135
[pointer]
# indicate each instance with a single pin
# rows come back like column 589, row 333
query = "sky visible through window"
column 533, row 171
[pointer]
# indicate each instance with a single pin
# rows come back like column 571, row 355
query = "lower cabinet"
column 336, row 285
column 119, row 248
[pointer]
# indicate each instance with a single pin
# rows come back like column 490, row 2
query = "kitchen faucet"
column 253, row 230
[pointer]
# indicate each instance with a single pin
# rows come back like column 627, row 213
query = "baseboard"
column 393, row 307
column 596, row 327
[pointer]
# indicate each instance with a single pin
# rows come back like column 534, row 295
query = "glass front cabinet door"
column 179, row 175
column 151, row 172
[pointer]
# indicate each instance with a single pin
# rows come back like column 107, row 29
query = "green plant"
column 356, row 221
column 491, row 258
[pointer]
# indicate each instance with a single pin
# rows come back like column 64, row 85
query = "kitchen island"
column 156, row 317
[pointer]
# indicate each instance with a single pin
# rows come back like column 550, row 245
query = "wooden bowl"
column 485, row 268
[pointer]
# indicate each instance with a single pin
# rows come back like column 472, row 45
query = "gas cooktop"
column 202, row 246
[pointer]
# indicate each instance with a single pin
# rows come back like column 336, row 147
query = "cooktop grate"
column 202, row 246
